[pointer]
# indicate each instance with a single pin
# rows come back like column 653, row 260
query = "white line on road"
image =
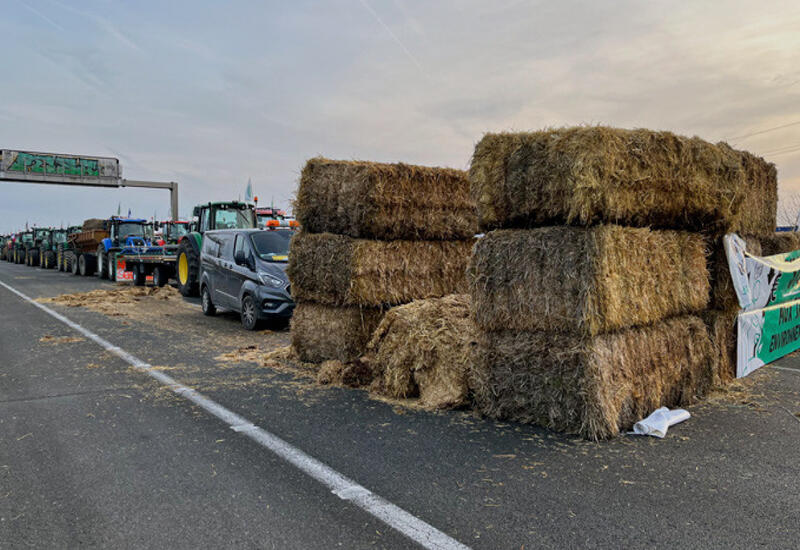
column 341, row 486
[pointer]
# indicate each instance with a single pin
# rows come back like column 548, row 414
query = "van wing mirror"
column 240, row 258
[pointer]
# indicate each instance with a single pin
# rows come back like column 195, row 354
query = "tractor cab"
column 224, row 215
column 173, row 231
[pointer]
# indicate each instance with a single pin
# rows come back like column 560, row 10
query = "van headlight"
column 269, row 280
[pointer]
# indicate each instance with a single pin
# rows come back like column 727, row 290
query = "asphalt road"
column 96, row 454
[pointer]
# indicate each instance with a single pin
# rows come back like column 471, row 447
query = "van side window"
column 226, row 247
column 210, row 246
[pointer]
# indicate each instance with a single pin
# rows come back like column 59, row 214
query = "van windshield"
column 272, row 246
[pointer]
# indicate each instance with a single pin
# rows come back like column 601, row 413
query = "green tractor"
column 210, row 216
column 48, row 249
column 23, row 241
column 4, row 240
column 32, row 257
column 64, row 260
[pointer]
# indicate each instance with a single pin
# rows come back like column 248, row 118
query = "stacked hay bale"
column 588, row 289
column 374, row 236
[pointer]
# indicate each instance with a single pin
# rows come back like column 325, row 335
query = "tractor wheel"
column 111, row 267
column 205, row 300
column 159, row 276
column 249, row 313
column 188, row 266
column 34, row 254
column 82, row 265
column 139, row 276
column 72, row 263
column 60, row 258
column 51, row 259
column 102, row 263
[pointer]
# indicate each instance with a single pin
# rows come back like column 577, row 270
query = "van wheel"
column 249, row 314
column 207, row 304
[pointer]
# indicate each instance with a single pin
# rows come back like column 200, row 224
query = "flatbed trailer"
column 151, row 265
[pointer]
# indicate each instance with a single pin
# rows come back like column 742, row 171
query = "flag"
column 119, row 209
column 129, row 212
column 248, row 192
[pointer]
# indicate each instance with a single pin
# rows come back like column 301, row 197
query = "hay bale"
column 338, row 270
column 370, row 200
column 779, row 243
column 586, row 280
column 322, row 333
column 424, row 348
column 353, row 374
column 589, row 175
column 723, row 294
column 94, row 224
column 594, row 387
column 722, row 331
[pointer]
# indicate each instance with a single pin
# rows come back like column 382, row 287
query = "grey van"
column 244, row 270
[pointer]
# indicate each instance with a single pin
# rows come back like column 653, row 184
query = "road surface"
column 96, row 453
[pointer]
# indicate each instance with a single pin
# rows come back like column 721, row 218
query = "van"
column 244, row 270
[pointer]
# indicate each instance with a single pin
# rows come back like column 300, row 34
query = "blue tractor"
column 125, row 235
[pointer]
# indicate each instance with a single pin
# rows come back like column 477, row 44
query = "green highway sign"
column 59, row 168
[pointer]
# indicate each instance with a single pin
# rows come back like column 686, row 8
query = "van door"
column 242, row 273
column 209, row 264
column 224, row 296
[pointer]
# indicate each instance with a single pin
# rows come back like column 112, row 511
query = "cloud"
column 212, row 96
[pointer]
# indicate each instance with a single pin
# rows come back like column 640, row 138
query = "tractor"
column 173, row 231
column 210, row 216
column 49, row 247
column 123, row 233
column 4, row 240
column 32, row 257
column 21, row 244
column 62, row 259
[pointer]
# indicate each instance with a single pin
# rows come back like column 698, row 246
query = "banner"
column 768, row 290
column 762, row 282
column 765, row 335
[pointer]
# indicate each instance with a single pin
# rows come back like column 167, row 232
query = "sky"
column 211, row 94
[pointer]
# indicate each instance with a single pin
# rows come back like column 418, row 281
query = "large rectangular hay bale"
column 586, row 280
column 594, row 387
column 338, row 270
column 371, row 200
column 323, row 333
column 588, row 175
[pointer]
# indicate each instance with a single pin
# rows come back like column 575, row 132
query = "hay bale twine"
column 424, row 349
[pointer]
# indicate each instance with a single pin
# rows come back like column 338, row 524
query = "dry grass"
column 424, row 349
column 322, row 333
column 125, row 300
column 593, row 280
column 370, row 200
column 593, row 387
column 338, row 270
column 588, row 175
column 779, row 243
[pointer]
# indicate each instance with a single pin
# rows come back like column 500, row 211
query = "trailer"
column 143, row 264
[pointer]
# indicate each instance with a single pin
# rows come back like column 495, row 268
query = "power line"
column 765, row 131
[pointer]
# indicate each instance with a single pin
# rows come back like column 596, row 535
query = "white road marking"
column 341, row 486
